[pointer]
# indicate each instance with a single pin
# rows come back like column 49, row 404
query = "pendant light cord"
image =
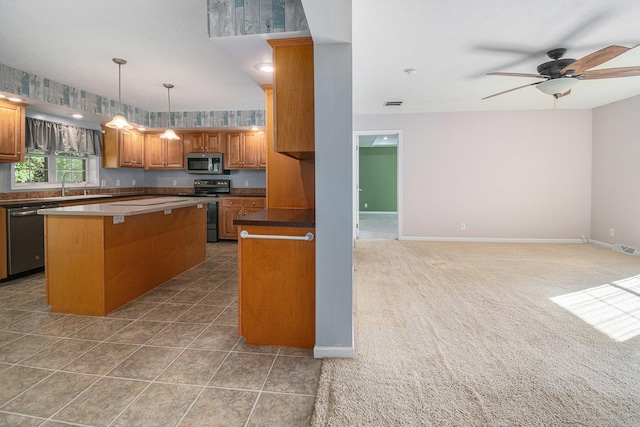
column 169, row 86
column 120, row 85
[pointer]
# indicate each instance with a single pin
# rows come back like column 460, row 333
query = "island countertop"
column 129, row 207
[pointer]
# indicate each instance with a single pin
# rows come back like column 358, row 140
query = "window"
column 42, row 169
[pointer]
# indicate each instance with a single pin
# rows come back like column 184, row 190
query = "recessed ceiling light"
column 265, row 67
column 76, row 116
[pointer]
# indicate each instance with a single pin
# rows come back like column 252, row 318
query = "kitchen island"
column 99, row 257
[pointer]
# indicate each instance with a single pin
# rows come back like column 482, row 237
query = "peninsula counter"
column 99, row 257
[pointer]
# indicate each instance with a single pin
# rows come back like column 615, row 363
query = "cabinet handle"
column 245, row 235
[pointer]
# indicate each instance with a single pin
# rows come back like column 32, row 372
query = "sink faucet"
column 64, row 177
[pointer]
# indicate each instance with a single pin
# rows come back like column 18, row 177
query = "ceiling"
column 452, row 44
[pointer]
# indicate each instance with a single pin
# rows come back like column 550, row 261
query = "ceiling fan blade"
column 609, row 73
column 511, row 90
column 498, row 73
column 565, row 94
column 594, row 59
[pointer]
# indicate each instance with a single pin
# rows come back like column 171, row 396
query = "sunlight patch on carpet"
column 613, row 309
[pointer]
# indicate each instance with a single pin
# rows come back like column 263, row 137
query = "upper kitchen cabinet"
column 293, row 97
column 204, row 142
column 12, row 122
column 122, row 148
column 163, row 153
column 245, row 150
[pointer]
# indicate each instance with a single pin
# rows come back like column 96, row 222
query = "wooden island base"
column 94, row 266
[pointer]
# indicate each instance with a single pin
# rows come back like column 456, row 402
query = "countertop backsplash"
column 120, row 191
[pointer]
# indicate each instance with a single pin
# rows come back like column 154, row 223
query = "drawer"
column 231, row 201
column 254, row 203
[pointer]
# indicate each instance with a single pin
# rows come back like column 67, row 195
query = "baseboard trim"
column 320, row 352
column 491, row 240
column 597, row 242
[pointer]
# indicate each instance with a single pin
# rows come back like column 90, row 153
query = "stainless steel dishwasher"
column 25, row 238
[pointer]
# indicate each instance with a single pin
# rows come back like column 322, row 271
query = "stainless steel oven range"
column 211, row 188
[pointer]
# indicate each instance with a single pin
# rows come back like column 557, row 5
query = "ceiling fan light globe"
column 557, row 86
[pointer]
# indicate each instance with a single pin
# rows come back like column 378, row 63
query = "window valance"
column 51, row 136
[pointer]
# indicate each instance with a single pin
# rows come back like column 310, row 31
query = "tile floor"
column 378, row 225
column 172, row 357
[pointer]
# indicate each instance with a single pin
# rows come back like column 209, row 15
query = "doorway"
column 377, row 184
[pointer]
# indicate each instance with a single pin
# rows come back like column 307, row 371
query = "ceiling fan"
column 561, row 74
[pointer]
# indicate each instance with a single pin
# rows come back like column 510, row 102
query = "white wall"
column 616, row 173
column 523, row 175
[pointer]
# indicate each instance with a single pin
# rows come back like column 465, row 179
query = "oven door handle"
column 25, row 213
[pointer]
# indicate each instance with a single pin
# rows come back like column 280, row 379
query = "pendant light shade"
column 119, row 122
column 169, row 133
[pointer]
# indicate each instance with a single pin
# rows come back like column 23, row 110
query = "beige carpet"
column 466, row 334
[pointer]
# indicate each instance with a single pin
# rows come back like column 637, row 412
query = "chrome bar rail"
column 245, row 235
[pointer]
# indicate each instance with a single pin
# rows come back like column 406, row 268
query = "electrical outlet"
column 366, row 205
column 612, row 232
column 133, row 182
column 117, row 183
column 175, row 182
column 463, row 226
column 246, row 183
column 103, row 183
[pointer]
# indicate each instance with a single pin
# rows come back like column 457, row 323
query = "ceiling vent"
column 393, row 103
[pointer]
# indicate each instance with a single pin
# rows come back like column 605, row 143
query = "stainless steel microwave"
column 204, row 163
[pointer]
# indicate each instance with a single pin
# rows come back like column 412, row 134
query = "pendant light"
column 169, row 133
column 119, row 122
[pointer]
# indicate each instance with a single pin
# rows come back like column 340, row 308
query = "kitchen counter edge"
column 127, row 208
column 304, row 218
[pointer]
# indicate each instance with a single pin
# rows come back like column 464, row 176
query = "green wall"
column 378, row 179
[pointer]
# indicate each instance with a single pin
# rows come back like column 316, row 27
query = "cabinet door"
column 137, row 149
column 131, row 149
column 293, row 97
column 234, row 152
column 194, row 142
column 11, row 132
column 251, row 150
column 262, row 148
column 155, row 151
column 125, row 152
column 230, row 209
column 213, row 142
column 174, row 154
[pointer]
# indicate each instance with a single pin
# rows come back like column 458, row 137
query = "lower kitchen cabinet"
column 233, row 208
column 276, row 287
